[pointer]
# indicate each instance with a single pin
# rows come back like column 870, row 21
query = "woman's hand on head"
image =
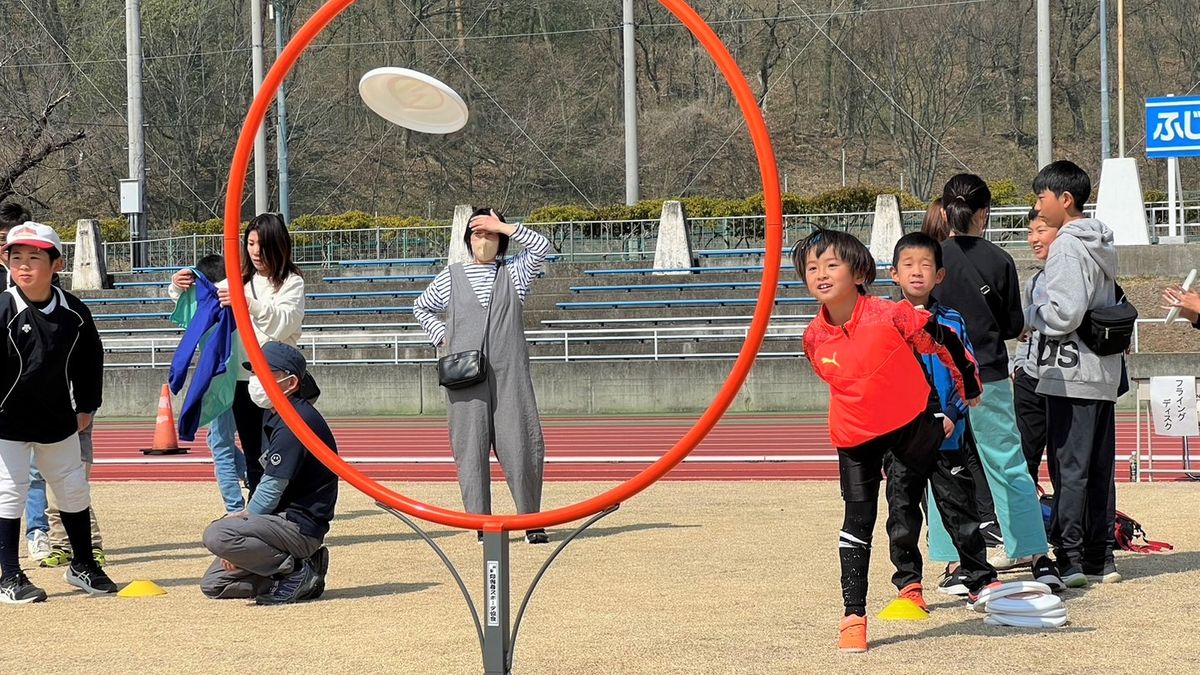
column 491, row 223
column 184, row 279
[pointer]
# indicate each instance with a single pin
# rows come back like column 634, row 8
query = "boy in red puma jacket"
column 880, row 402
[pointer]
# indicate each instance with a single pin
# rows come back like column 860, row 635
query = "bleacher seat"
column 688, row 302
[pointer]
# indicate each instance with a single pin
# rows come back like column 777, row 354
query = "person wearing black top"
column 982, row 284
column 51, row 355
column 273, row 551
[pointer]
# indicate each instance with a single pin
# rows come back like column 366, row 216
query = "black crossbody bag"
column 466, row 369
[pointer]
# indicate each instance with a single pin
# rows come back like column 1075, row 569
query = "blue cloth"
column 267, row 495
column 229, row 464
column 953, row 406
column 214, row 324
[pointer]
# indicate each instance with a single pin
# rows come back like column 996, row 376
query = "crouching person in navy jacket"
column 274, row 550
column 51, row 351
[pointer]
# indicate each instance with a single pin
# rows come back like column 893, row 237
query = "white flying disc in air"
column 1024, row 621
column 1187, row 285
column 413, row 100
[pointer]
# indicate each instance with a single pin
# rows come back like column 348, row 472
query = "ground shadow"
column 596, row 532
column 351, row 539
column 376, row 590
column 971, row 625
column 179, row 555
column 1143, row 565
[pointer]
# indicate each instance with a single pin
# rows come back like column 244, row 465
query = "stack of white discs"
column 1024, row 604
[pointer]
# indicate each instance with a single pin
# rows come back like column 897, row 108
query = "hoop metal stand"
column 497, row 642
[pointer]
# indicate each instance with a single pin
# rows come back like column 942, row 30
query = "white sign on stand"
column 1173, row 406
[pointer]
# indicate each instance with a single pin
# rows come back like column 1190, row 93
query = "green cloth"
column 219, row 397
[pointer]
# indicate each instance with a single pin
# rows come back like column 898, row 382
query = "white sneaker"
column 39, row 545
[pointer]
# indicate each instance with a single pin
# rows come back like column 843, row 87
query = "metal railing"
column 593, row 241
column 409, row 347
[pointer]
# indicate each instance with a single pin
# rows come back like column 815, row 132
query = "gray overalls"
column 500, row 412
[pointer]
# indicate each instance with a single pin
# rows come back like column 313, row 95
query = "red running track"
column 740, row 447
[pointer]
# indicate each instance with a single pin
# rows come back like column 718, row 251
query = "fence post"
column 377, row 250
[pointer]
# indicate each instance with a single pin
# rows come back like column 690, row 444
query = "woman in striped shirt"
column 482, row 301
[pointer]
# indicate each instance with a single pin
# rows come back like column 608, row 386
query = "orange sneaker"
column 913, row 592
column 852, row 635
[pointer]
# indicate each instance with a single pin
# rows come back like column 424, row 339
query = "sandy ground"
column 685, row 578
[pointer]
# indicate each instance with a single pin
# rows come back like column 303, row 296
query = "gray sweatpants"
column 259, row 546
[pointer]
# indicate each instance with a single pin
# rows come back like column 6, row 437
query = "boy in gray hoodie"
column 1080, row 386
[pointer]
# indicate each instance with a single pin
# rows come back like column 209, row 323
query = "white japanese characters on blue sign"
column 1173, row 127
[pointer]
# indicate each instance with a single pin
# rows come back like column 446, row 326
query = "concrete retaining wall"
column 584, row 388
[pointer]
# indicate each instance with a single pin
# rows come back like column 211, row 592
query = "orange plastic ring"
column 721, row 401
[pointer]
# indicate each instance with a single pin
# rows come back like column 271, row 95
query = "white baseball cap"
column 34, row 234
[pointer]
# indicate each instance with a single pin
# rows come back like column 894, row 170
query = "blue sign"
column 1173, row 127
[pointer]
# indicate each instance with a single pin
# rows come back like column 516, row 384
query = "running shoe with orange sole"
column 852, row 635
column 913, row 592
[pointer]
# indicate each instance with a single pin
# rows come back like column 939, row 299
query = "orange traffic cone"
column 166, row 441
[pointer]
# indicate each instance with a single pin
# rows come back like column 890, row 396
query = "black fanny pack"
column 1109, row 330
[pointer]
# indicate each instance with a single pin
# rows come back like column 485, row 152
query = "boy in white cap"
column 51, row 371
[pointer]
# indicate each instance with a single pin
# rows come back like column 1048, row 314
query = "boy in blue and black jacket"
column 917, row 269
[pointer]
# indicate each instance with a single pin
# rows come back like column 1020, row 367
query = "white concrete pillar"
column 673, row 250
column 1119, row 202
column 886, row 230
column 88, row 269
column 459, row 252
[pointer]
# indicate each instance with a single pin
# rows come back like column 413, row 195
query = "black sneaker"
column 952, row 583
column 291, row 588
column 1073, row 576
column 1103, row 574
column 19, row 590
column 90, row 578
column 320, row 563
column 1046, row 572
column 537, row 536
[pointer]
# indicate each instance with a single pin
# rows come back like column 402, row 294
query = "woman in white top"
column 275, row 294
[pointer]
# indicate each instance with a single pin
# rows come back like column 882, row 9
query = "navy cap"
column 282, row 356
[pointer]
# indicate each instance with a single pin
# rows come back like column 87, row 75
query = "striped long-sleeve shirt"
column 523, row 268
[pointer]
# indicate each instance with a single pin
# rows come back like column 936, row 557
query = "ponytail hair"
column 964, row 195
column 934, row 224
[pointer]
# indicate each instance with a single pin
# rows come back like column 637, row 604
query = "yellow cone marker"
column 141, row 588
column 903, row 609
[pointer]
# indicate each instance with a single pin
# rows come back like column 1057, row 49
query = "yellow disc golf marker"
column 141, row 588
column 903, row 609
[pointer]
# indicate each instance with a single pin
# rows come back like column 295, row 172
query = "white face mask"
column 259, row 395
column 485, row 250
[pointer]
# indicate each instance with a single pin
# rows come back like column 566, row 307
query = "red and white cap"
column 34, row 234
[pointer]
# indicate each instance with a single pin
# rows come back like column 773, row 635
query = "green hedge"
column 857, row 198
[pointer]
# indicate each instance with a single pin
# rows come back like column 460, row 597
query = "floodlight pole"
column 1044, row 116
column 261, row 203
column 135, row 211
column 281, row 128
column 631, row 122
column 1105, row 145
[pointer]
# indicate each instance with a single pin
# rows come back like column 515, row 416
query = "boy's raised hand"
column 183, row 279
column 974, row 402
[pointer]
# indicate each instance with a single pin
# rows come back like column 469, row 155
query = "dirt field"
column 686, row 578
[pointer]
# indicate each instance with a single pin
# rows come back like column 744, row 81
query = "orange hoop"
column 493, row 523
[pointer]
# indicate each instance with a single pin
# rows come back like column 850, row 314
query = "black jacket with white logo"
column 50, row 356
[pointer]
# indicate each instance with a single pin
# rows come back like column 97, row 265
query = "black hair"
column 274, row 248
column 845, row 246
column 918, row 240
column 1033, row 214
column 964, row 195
column 212, row 267
column 1064, row 176
column 13, row 214
column 486, row 211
